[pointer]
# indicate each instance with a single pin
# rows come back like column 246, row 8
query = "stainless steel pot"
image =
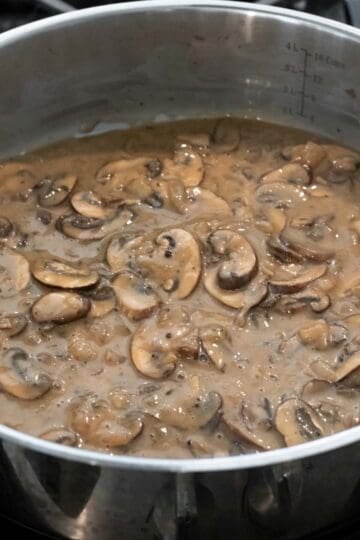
column 149, row 61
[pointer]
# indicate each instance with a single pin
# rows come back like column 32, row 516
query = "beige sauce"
column 190, row 289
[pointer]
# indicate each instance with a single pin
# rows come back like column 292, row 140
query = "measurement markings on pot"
column 302, row 69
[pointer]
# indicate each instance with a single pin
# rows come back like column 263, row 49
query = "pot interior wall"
column 110, row 68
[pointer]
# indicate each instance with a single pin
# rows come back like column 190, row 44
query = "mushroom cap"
column 60, row 435
column 102, row 301
column 310, row 296
column 241, row 262
column 55, row 272
column 296, row 241
column 121, row 252
column 60, row 307
column 12, row 324
column 310, row 154
column 250, row 424
column 299, row 281
column 172, row 260
column 314, row 391
column 97, row 423
column 348, row 368
column 316, row 334
column 15, row 274
column 157, row 346
column 53, row 192
column 84, row 228
column 243, row 299
column 21, row 377
column 280, row 194
column 114, row 177
column 88, row 204
column 203, row 201
column 215, row 345
column 187, row 165
column 135, row 296
column 298, row 422
column 179, row 246
column 187, row 410
column 294, row 173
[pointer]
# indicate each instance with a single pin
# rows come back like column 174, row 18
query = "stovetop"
column 17, row 12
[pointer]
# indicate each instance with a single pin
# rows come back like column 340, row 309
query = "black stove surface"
column 17, row 12
column 348, row 531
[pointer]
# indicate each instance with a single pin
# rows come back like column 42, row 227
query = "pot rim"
column 245, row 461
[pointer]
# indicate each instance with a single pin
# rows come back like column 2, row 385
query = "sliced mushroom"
column 215, row 345
column 102, row 301
column 293, row 173
column 194, row 201
column 12, row 324
column 121, row 252
column 21, row 377
column 188, row 412
column 350, row 368
column 203, row 445
column 135, row 295
column 60, row 307
column 174, row 262
column 58, row 273
column 61, row 436
column 298, row 422
column 14, row 272
column 240, row 265
column 156, row 348
column 53, row 192
column 310, row 154
column 282, row 251
column 115, row 176
column 298, row 282
column 343, row 163
column 337, row 404
column 84, row 228
column 316, row 299
column 317, row 335
column 293, row 245
column 177, row 195
column 226, row 137
column 271, row 220
column 251, row 424
column 306, row 247
column 280, row 194
column 316, row 227
column 17, row 181
column 185, row 406
column 316, row 390
column 243, row 299
column 187, row 165
column 89, row 205
column 204, row 201
column 142, row 190
column 97, row 423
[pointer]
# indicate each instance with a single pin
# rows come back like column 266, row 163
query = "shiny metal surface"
column 130, row 64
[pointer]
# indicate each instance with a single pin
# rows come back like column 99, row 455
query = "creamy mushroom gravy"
column 189, row 289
